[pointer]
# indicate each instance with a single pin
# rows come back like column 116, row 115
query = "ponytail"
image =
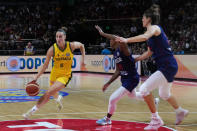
column 62, row 29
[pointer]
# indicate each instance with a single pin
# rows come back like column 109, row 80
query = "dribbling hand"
column 32, row 82
column 35, row 78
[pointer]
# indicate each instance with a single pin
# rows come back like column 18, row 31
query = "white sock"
column 155, row 114
column 59, row 97
column 178, row 110
column 33, row 110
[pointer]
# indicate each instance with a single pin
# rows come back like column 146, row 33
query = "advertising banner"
column 94, row 63
column 11, row 64
column 103, row 63
column 187, row 66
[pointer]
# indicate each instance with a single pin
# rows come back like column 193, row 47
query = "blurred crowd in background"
column 36, row 21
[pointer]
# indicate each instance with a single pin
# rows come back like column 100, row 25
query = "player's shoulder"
column 157, row 27
column 74, row 42
column 51, row 49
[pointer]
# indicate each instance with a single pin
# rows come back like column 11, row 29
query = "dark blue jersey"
column 163, row 55
column 128, row 72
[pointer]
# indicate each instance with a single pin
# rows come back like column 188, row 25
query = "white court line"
column 183, row 125
column 77, row 113
column 186, row 82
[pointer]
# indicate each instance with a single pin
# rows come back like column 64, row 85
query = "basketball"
column 32, row 89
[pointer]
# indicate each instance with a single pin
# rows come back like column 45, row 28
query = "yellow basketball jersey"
column 62, row 59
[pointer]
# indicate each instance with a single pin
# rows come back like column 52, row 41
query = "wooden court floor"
column 86, row 100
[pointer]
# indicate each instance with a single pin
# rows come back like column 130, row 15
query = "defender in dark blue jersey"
column 125, row 67
column 167, row 66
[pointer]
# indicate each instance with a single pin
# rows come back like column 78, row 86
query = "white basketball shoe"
column 156, row 123
column 104, row 121
column 181, row 115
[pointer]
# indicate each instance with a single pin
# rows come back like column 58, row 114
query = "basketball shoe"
column 59, row 103
column 30, row 112
column 181, row 115
column 104, row 121
column 27, row 115
column 155, row 123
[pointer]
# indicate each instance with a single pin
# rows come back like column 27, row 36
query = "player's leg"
column 114, row 98
column 57, row 86
column 146, row 88
column 135, row 95
column 138, row 96
column 57, row 97
column 164, row 92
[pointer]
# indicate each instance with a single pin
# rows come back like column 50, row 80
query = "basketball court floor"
column 84, row 103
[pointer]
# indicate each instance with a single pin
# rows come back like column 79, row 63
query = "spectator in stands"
column 29, row 49
column 106, row 51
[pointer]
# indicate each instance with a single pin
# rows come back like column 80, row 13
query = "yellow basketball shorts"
column 64, row 79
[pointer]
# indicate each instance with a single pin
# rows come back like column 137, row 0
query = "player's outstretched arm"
column 114, row 77
column 153, row 30
column 108, row 36
column 46, row 63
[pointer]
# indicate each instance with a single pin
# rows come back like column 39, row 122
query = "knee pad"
column 144, row 90
column 164, row 96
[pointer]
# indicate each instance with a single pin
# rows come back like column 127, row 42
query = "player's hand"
column 83, row 64
column 35, row 79
column 99, row 29
column 32, row 82
column 121, row 40
column 135, row 60
column 105, row 87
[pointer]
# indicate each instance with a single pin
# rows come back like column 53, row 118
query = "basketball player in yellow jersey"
column 61, row 73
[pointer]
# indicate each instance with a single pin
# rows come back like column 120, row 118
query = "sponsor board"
column 104, row 64
column 94, row 63
column 29, row 63
column 187, row 66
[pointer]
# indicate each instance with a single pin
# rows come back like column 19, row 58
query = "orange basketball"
column 32, row 89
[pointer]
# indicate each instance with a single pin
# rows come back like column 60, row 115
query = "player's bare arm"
column 46, row 63
column 151, row 31
column 145, row 55
column 108, row 36
column 78, row 45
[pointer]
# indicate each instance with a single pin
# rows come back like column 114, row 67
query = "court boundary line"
column 166, row 126
column 76, row 113
column 182, row 125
